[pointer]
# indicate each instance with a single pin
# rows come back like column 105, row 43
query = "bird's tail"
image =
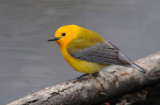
column 130, row 63
column 135, row 66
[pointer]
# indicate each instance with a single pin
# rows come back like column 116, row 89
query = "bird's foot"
column 86, row 76
column 95, row 74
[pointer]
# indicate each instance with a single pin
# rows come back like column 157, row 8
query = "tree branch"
column 113, row 81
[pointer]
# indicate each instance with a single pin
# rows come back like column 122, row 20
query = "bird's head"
column 65, row 34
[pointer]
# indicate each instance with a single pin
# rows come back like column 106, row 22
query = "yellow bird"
column 87, row 52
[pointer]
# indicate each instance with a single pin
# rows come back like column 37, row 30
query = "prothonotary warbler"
column 88, row 52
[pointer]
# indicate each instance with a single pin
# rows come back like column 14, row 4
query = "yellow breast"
column 80, row 65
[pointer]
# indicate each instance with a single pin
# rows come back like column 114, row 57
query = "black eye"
column 63, row 34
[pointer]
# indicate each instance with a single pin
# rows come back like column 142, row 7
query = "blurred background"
column 28, row 63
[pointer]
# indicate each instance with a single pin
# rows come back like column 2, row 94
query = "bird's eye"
column 63, row 34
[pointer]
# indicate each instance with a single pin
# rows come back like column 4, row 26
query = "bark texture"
column 111, row 82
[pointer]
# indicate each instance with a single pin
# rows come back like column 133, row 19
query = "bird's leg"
column 84, row 76
column 95, row 74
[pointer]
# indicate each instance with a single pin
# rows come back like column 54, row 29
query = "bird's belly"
column 82, row 66
column 86, row 67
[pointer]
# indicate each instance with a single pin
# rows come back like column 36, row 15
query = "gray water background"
column 28, row 63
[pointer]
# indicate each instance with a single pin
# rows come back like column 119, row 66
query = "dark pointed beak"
column 54, row 39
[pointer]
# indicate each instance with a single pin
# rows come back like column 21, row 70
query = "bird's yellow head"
column 65, row 34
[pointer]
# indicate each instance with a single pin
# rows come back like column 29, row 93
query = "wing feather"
column 103, row 53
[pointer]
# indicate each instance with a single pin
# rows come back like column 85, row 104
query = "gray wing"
column 103, row 53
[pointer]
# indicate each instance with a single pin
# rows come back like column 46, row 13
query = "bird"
column 87, row 52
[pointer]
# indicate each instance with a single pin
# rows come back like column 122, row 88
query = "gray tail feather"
column 129, row 62
column 133, row 65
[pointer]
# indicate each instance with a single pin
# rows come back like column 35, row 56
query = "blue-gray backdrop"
column 28, row 63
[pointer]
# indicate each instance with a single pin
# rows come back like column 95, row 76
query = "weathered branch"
column 111, row 82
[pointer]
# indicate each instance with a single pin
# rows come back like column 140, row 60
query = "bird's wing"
column 102, row 52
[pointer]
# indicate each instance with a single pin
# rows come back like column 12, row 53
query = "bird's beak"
column 54, row 39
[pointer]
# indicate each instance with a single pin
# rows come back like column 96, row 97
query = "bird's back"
column 84, row 39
